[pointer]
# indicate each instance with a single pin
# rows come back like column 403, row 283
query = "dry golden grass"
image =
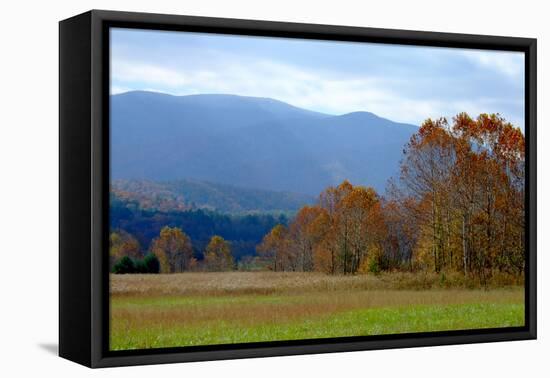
column 263, row 283
column 236, row 283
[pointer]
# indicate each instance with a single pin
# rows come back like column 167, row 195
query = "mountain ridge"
column 250, row 142
column 257, row 98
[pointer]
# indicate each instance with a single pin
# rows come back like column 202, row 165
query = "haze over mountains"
column 250, row 142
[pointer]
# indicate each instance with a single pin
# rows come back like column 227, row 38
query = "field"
column 167, row 310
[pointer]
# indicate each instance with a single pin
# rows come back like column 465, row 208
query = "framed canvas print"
column 234, row 188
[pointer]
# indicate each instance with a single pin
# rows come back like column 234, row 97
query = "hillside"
column 250, row 142
column 184, row 195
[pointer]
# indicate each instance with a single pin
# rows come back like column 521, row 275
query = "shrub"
column 127, row 265
column 151, row 263
column 374, row 266
column 140, row 267
column 124, row 266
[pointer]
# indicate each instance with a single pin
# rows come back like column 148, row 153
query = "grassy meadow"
column 189, row 309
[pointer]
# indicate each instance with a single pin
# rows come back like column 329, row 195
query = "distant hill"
column 182, row 195
column 250, row 142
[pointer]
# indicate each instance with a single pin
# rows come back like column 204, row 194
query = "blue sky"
column 402, row 83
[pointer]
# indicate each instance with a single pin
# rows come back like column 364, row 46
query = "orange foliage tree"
column 275, row 249
column 334, row 236
column 467, row 180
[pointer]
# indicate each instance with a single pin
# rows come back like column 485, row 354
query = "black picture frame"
column 84, row 186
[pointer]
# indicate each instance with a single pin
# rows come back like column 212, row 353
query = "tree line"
column 457, row 204
column 170, row 252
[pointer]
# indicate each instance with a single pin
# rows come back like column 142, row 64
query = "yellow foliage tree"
column 217, row 256
column 174, row 250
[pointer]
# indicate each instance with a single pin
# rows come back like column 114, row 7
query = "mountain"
column 250, row 142
column 185, row 195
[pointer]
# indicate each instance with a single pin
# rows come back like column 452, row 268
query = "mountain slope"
column 250, row 142
column 184, row 195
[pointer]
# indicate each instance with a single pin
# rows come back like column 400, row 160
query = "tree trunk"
column 464, row 246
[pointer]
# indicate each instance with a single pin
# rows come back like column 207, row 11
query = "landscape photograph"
column 270, row 189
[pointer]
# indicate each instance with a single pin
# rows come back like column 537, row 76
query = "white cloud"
column 510, row 64
column 326, row 91
column 149, row 73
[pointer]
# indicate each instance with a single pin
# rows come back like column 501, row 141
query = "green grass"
column 187, row 309
column 360, row 322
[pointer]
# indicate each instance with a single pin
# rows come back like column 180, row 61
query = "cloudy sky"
column 402, row 83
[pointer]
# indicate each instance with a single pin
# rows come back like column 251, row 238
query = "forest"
column 133, row 228
column 458, row 204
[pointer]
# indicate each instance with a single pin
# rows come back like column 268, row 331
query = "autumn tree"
column 275, row 249
column 361, row 209
column 426, row 175
column 468, row 178
column 355, row 226
column 122, row 244
column 174, row 250
column 334, row 236
column 328, row 250
column 402, row 234
column 491, row 179
column 305, row 232
column 217, row 256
